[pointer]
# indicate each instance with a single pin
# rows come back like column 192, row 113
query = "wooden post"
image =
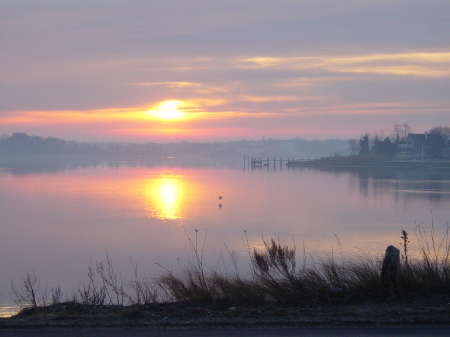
column 390, row 271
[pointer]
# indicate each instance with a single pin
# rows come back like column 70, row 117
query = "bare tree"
column 406, row 130
column 401, row 132
column 444, row 131
column 26, row 294
column 353, row 146
column 397, row 133
column 438, row 140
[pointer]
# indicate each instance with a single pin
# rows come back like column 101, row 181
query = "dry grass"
column 278, row 275
column 430, row 272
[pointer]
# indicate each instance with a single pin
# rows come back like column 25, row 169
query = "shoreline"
column 410, row 165
column 201, row 316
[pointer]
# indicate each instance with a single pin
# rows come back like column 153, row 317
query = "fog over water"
column 56, row 219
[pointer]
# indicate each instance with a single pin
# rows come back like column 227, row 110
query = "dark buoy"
column 220, row 197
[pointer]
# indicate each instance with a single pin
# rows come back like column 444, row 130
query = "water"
column 54, row 222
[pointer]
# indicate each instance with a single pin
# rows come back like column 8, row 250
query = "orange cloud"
column 170, row 84
column 425, row 64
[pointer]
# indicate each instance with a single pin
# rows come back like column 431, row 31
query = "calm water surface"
column 55, row 222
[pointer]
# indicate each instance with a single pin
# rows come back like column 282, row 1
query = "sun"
column 168, row 110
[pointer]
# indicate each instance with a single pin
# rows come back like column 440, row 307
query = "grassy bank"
column 372, row 161
column 279, row 275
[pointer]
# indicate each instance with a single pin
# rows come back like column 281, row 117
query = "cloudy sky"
column 197, row 70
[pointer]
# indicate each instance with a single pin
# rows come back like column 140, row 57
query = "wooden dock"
column 258, row 162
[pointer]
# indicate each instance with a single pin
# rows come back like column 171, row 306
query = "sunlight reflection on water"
column 56, row 222
column 8, row 310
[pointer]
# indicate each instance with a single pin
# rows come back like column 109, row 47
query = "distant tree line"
column 438, row 139
column 23, row 144
column 378, row 144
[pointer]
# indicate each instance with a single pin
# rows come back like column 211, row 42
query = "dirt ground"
column 176, row 315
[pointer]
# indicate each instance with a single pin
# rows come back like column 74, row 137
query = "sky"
column 207, row 70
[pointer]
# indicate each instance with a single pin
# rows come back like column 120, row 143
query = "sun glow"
column 164, row 195
column 169, row 110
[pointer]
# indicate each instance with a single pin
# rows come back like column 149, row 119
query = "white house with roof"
column 421, row 146
column 415, row 145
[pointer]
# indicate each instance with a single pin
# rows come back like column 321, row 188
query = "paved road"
column 288, row 332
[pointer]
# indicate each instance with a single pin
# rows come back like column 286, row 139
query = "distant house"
column 416, row 145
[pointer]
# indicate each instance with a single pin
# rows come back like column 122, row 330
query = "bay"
column 58, row 221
